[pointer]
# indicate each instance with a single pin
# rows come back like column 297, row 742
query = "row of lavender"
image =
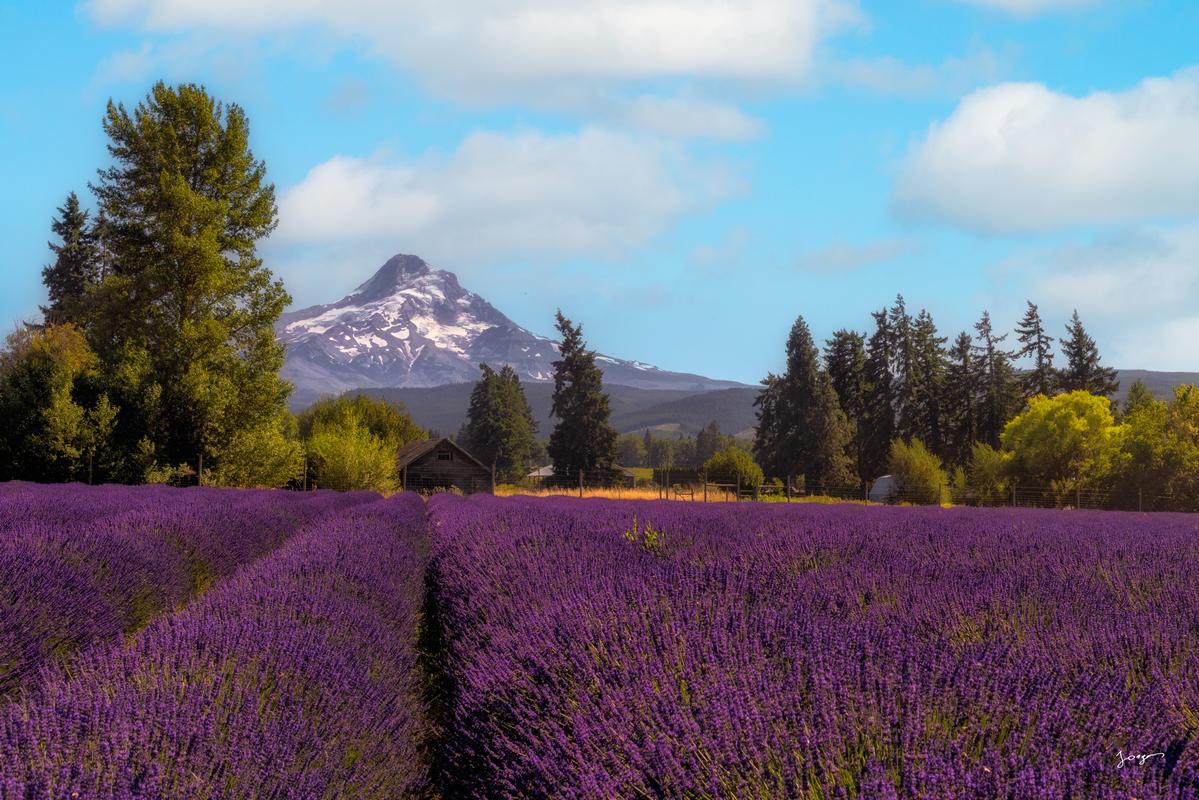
column 601, row 649
column 80, row 565
column 295, row 677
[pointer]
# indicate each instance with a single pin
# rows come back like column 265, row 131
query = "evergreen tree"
column 962, row 391
column 879, row 409
column 708, row 442
column 905, row 375
column 500, row 428
column 76, row 262
column 845, row 361
column 1035, row 343
column 929, row 390
column 1083, row 370
column 1138, row 397
column 647, row 441
column 999, row 391
column 583, row 438
column 808, row 434
column 186, row 315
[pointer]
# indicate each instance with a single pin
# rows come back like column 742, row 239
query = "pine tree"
column 845, row 361
column 708, row 442
column 186, row 315
column 1041, row 379
column 1138, row 397
column 929, row 389
column 76, row 263
column 500, row 429
column 1083, row 370
column 999, row 391
column 906, row 379
column 962, row 390
column 879, row 410
column 583, row 439
column 805, row 431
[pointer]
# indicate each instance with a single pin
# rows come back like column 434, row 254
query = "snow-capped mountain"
column 411, row 325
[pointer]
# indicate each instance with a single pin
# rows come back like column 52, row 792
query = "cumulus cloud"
column 499, row 196
column 481, row 47
column 953, row 76
column 1019, row 157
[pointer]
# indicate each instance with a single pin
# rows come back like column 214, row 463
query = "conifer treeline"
column 832, row 417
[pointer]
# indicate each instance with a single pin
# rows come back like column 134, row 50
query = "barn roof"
column 414, row 451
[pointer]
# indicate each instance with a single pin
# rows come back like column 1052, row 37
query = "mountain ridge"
column 411, row 325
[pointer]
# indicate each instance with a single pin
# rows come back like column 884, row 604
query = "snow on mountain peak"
column 412, row 325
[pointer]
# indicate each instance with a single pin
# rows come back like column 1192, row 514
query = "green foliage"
column 1083, row 372
column 961, row 400
column 54, row 429
column 1064, row 442
column 630, row 450
column 500, row 428
column 997, row 386
column 267, row 456
column 649, row 538
column 988, row 473
column 583, row 439
column 1036, row 344
column 734, row 464
column 351, row 442
column 76, row 263
column 918, row 472
column 801, row 428
column 184, row 320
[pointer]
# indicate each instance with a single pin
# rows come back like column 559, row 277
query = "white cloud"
column 480, row 48
column 594, row 193
column 846, row 257
column 1136, row 291
column 1030, row 8
column 1021, row 158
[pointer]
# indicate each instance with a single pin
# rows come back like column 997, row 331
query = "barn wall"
column 428, row 471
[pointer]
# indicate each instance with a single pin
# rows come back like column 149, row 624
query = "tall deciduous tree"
column 500, row 428
column 1083, row 371
column 1036, row 344
column 583, row 439
column 188, row 309
column 76, row 261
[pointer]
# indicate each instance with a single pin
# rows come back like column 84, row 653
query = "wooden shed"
column 442, row 464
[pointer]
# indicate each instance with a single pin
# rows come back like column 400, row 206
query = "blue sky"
column 683, row 177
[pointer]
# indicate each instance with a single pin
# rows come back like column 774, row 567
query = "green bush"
column 918, row 472
column 734, row 464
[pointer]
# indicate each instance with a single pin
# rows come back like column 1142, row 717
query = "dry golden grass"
column 715, row 495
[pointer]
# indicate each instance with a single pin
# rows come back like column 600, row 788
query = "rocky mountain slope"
column 412, row 325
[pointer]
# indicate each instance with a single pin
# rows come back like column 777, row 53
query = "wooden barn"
column 441, row 464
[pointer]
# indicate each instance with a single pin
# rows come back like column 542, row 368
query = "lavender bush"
column 297, row 677
column 80, row 564
column 631, row 649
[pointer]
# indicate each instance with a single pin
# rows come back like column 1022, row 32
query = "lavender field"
column 209, row 643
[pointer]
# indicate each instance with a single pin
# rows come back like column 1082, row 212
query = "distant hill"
column 1161, row 384
column 443, row 408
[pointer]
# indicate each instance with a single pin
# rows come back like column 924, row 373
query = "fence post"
column 493, row 477
column 788, row 488
column 1077, row 496
column 738, row 487
column 200, row 474
column 1140, row 500
column 1013, row 495
column 705, row 488
column 580, row 483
